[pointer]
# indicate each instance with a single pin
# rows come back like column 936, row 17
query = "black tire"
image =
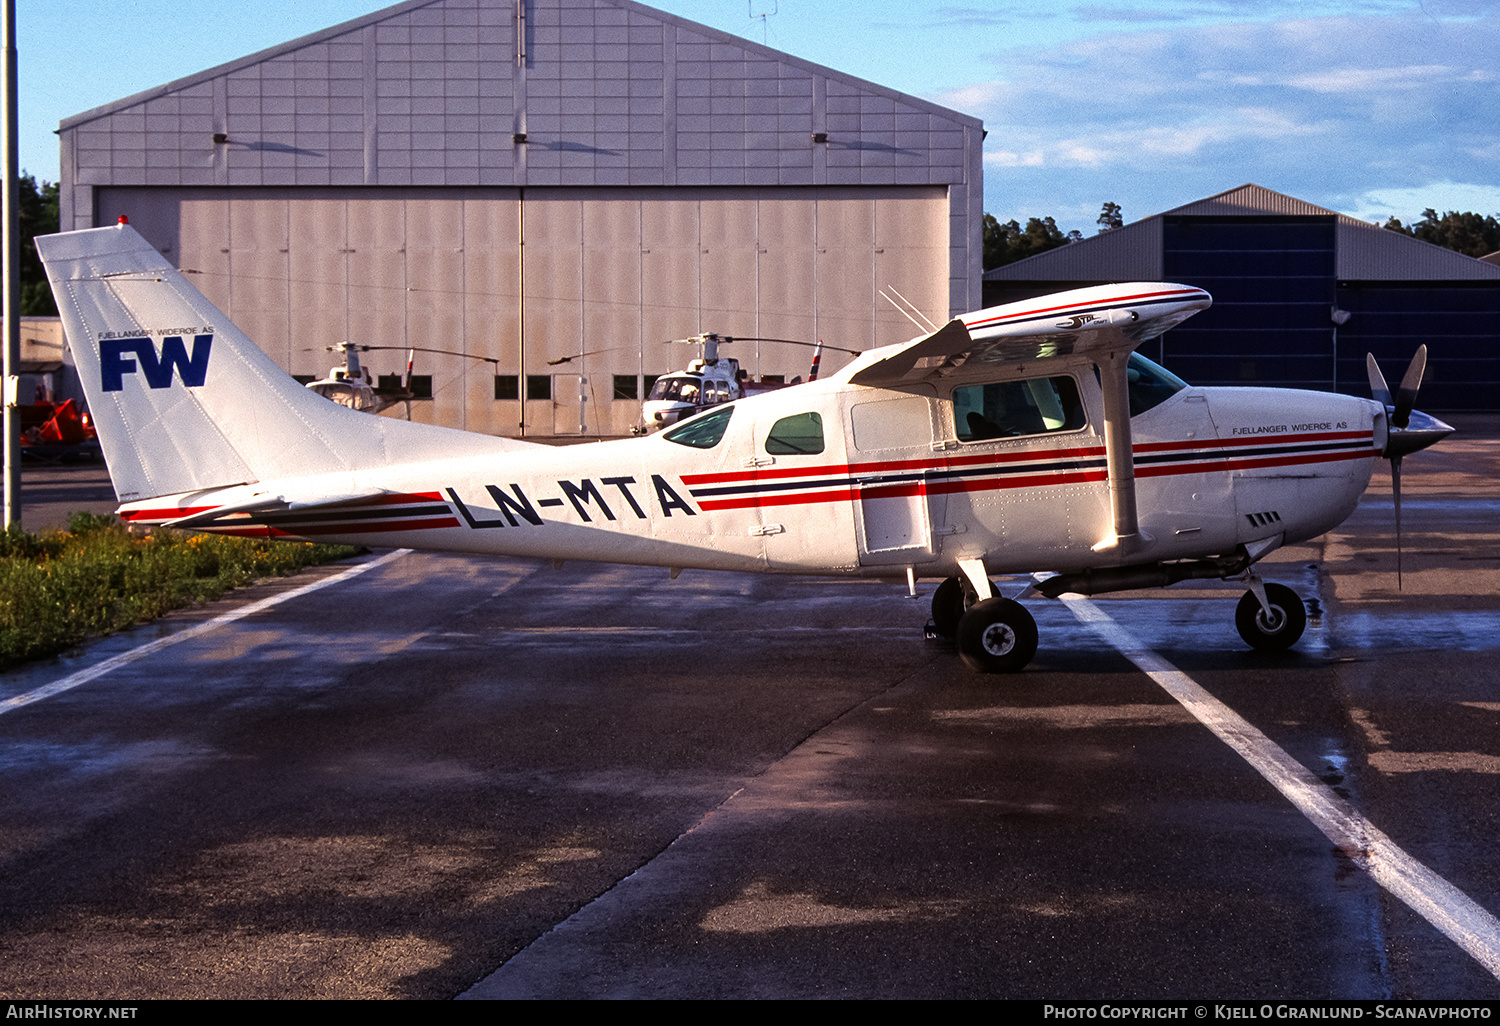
column 947, row 607
column 1278, row 632
column 997, row 635
column 949, row 603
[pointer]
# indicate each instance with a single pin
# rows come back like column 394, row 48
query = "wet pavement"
column 50, row 492
column 492, row 778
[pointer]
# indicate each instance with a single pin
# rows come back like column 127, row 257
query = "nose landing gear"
column 1272, row 625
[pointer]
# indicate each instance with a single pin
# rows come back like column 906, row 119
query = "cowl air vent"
column 1263, row 519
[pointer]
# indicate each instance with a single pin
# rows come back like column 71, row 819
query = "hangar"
column 527, row 181
column 1301, row 293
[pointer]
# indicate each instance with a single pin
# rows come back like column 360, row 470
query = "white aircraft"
column 1027, row 438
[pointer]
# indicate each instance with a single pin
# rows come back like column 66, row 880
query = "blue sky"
column 1369, row 107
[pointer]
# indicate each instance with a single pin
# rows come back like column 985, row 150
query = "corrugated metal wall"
column 1455, row 320
column 1273, row 288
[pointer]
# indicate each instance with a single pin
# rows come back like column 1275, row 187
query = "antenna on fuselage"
column 907, row 309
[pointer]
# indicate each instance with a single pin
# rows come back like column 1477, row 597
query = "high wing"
column 1102, row 324
column 1082, row 322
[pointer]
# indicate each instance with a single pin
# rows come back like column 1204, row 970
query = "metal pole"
column 10, row 267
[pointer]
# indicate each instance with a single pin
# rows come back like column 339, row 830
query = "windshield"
column 675, row 389
column 702, row 431
column 1150, row 384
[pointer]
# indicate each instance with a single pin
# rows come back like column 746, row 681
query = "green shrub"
column 61, row 587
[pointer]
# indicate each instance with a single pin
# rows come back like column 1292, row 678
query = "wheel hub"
column 998, row 639
column 1272, row 621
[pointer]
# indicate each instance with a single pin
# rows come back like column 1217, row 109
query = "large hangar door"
column 436, row 251
column 612, row 298
column 668, row 242
column 492, row 310
column 258, row 280
column 607, row 272
column 552, row 321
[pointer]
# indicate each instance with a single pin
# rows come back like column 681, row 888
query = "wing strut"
column 1119, row 453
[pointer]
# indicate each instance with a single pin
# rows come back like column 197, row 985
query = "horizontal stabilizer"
column 269, row 503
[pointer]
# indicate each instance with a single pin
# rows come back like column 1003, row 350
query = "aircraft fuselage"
column 900, row 479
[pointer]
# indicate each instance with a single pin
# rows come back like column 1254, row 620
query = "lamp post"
column 10, row 270
column 1338, row 317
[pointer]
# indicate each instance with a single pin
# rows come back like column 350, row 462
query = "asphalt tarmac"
column 461, row 777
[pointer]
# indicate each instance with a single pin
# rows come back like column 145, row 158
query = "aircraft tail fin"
column 183, row 400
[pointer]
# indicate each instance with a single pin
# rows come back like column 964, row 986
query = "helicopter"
column 710, row 380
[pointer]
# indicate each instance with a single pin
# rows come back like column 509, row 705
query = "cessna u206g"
column 1027, row 438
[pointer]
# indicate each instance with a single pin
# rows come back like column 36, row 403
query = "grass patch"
column 59, row 588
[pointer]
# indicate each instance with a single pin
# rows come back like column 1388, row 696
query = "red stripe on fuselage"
column 1210, row 462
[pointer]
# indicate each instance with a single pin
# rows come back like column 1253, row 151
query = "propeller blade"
column 1378, row 390
column 1406, row 396
column 1396, row 496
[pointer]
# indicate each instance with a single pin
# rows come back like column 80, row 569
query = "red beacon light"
column 124, row 219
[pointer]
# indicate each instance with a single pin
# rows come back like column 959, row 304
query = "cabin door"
column 895, row 470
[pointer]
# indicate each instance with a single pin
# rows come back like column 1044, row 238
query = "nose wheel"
column 1274, row 627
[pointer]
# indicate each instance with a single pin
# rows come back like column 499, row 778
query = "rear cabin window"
column 801, row 435
column 703, row 431
column 1011, row 409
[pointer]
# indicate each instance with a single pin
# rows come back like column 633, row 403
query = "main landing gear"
column 994, row 635
column 998, row 635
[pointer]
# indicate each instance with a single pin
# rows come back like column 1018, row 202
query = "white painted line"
column 1463, row 920
column 67, row 683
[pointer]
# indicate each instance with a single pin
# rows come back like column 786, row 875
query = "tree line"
column 1472, row 234
column 38, row 214
column 1467, row 233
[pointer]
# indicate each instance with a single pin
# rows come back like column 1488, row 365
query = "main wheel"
column 1274, row 632
column 949, row 603
column 997, row 635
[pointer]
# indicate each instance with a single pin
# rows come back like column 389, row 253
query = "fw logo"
column 115, row 361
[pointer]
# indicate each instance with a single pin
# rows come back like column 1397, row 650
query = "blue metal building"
column 1301, row 293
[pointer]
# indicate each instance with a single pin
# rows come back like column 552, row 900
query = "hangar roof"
column 1364, row 251
column 565, row 92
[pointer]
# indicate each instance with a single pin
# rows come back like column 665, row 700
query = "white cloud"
column 1363, row 80
column 1005, row 158
column 1353, row 113
column 1407, row 203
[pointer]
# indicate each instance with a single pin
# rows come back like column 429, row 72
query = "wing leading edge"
column 1087, row 321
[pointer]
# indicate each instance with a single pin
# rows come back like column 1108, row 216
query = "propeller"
column 1407, row 430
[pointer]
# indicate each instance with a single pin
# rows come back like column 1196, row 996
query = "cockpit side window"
column 703, row 431
column 1150, row 384
column 801, row 435
column 1011, row 409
